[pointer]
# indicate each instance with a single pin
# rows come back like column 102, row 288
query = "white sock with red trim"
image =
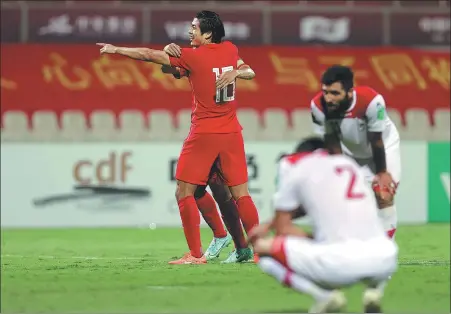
column 389, row 219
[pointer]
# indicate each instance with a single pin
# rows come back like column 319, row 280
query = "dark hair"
column 210, row 21
column 310, row 144
column 339, row 73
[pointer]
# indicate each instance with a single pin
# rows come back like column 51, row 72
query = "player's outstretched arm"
column 143, row 54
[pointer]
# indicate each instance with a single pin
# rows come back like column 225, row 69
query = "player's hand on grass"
column 106, row 48
column 173, row 50
column 226, row 78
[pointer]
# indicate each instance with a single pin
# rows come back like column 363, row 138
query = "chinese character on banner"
column 294, row 71
column 113, row 73
column 397, row 69
column 56, row 71
column 438, row 71
column 8, row 84
column 346, row 61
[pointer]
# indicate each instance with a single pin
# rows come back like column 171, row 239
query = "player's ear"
column 350, row 92
column 207, row 35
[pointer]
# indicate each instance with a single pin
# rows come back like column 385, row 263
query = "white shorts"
column 340, row 264
column 393, row 159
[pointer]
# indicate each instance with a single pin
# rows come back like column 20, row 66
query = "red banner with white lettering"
column 76, row 77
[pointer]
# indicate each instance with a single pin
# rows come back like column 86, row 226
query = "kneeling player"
column 349, row 244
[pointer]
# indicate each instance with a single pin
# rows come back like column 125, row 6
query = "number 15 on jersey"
column 227, row 93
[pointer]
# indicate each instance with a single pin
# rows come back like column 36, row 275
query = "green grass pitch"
column 126, row 270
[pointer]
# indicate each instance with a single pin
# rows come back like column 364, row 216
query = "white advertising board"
column 114, row 184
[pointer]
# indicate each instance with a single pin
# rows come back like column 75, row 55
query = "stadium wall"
column 132, row 185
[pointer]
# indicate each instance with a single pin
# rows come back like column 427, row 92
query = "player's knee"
column 384, row 202
column 184, row 190
column 239, row 191
column 200, row 192
column 266, row 264
column 220, row 192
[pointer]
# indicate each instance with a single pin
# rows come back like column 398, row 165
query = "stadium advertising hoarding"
column 62, row 77
column 114, row 184
column 77, row 24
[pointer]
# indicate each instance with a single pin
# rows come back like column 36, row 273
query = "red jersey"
column 213, row 110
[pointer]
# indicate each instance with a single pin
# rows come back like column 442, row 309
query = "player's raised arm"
column 143, row 54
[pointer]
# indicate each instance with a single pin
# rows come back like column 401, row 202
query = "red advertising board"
column 62, row 77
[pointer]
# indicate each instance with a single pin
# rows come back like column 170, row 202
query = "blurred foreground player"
column 215, row 131
column 221, row 193
column 349, row 244
column 354, row 121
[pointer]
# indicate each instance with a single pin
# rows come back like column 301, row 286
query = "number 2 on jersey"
column 350, row 192
column 227, row 93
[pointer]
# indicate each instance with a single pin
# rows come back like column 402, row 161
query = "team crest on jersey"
column 380, row 112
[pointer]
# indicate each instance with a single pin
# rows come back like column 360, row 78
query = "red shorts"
column 201, row 150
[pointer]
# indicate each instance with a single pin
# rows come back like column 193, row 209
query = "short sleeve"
column 287, row 197
column 317, row 117
column 186, row 60
column 376, row 114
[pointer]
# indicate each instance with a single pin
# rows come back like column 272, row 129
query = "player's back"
column 334, row 193
column 214, row 109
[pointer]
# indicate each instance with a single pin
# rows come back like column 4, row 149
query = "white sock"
column 380, row 286
column 298, row 283
column 389, row 218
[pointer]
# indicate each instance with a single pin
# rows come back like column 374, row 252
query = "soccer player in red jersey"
column 221, row 193
column 215, row 131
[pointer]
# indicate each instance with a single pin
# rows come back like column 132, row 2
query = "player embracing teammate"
column 215, row 136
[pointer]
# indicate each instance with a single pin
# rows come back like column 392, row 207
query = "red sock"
column 207, row 207
column 248, row 213
column 229, row 212
column 191, row 224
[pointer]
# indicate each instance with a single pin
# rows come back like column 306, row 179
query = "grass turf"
column 126, row 270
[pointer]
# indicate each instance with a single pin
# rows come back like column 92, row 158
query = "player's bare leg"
column 189, row 213
column 229, row 211
column 207, row 207
column 273, row 262
column 246, row 207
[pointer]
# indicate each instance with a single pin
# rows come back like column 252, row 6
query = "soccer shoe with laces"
column 372, row 301
column 333, row 304
column 216, row 246
column 189, row 259
column 239, row 256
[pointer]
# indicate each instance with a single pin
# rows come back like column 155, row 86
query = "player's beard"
column 339, row 108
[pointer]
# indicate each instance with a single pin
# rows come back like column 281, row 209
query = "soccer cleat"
column 372, row 301
column 189, row 259
column 239, row 256
column 333, row 304
column 216, row 246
